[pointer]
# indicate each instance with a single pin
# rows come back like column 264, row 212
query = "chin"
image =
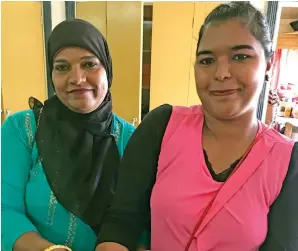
column 82, row 107
column 224, row 113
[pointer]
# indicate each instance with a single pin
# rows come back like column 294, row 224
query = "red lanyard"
column 212, row 201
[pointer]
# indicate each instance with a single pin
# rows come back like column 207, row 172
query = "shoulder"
column 19, row 116
column 282, row 148
column 153, row 126
column 182, row 113
column 293, row 167
column 20, row 120
column 283, row 221
column 159, row 114
column 19, row 127
column 292, row 175
column 287, row 196
column 122, row 123
column 279, row 140
column 276, row 136
column 185, row 111
column 122, row 131
column 291, row 179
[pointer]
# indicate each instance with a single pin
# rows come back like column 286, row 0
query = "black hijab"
column 78, row 152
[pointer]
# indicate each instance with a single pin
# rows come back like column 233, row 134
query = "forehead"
column 72, row 52
column 226, row 34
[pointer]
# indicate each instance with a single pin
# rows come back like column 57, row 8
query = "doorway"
column 146, row 69
column 282, row 105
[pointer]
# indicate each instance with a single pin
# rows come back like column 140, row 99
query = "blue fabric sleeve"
column 16, row 164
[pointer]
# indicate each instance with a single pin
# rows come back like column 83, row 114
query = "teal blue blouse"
column 28, row 204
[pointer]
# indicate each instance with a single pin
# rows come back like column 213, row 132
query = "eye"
column 206, row 61
column 61, row 68
column 240, row 57
column 90, row 65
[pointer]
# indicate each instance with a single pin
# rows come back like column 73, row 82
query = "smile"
column 80, row 91
column 221, row 93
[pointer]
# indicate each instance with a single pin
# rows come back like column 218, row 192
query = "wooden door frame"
column 273, row 14
column 70, row 9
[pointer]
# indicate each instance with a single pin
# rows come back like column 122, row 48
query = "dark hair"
column 255, row 21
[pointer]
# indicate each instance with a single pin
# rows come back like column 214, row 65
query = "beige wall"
column 58, row 12
column 95, row 13
column 22, row 54
column 171, row 52
column 23, row 51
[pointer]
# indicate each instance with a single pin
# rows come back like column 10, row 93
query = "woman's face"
column 80, row 79
column 229, row 70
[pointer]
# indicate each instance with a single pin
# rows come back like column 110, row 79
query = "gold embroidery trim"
column 52, row 209
column 30, row 139
column 71, row 230
column 29, row 129
column 117, row 131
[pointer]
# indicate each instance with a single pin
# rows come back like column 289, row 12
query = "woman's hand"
column 32, row 241
column 110, row 246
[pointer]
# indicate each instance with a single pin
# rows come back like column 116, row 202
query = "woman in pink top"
column 211, row 177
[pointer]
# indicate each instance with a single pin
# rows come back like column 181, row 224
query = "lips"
column 224, row 92
column 80, row 91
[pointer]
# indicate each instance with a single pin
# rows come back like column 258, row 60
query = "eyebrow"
column 65, row 61
column 242, row 46
column 234, row 48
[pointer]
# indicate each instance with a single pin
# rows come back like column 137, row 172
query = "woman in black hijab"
column 72, row 149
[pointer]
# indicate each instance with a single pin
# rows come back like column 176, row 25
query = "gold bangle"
column 57, row 247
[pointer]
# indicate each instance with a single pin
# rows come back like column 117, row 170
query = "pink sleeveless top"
column 237, row 221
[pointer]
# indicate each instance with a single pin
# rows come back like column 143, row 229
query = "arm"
column 130, row 211
column 283, row 217
column 144, row 241
column 18, row 233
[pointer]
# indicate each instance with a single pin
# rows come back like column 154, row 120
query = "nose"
column 77, row 75
column 222, row 71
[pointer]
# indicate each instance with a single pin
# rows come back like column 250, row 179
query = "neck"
column 244, row 126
